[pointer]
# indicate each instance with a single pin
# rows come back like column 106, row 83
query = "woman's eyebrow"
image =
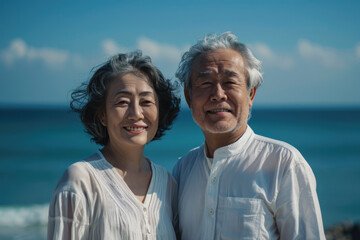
column 121, row 92
column 147, row 93
column 128, row 93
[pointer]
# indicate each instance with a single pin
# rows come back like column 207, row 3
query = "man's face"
column 219, row 99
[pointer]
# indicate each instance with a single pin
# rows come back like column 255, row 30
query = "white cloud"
column 110, row 47
column 164, row 56
column 53, row 58
column 48, row 55
column 266, row 55
column 155, row 50
column 159, row 51
column 263, row 50
column 18, row 49
column 326, row 56
column 358, row 50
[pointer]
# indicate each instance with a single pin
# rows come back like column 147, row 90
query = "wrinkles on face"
column 219, row 98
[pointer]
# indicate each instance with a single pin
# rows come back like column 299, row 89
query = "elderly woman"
column 118, row 193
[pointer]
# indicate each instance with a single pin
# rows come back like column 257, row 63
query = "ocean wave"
column 24, row 216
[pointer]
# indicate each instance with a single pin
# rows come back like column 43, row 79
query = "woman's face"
column 132, row 111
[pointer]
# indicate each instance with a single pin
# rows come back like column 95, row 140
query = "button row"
column 211, row 211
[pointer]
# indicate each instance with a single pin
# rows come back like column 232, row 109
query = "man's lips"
column 217, row 110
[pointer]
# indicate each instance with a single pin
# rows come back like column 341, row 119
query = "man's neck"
column 215, row 141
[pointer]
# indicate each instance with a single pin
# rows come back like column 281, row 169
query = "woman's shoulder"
column 78, row 175
column 159, row 169
column 163, row 175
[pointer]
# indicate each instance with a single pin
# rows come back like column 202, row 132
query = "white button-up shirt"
column 255, row 188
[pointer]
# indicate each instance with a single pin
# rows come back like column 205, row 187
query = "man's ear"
column 252, row 96
column 187, row 96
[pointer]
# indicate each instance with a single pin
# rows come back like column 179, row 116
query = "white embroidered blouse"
column 92, row 201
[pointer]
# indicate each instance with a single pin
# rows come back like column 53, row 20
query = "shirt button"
column 211, row 211
column 144, row 209
column 213, row 180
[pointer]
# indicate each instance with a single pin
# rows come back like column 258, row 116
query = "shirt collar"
column 233, row 148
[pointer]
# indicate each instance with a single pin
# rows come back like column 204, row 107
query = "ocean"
column 37, row 145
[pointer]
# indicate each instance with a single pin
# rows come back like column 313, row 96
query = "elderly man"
column 238, row 185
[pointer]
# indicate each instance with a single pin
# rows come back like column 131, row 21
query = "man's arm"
column 297, row 212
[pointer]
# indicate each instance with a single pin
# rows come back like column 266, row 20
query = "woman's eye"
column 121, row 102
column 147, row 102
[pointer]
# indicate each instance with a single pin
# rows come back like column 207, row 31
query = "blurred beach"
column 37, row 145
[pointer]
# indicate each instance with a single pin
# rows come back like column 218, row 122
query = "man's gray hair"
column 213, row 42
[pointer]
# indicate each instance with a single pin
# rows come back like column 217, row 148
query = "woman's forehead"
column 131, row 83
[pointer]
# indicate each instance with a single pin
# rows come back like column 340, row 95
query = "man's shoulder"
column 273, row 142
column 273, row 146
column 192, row 154
column 187, row 161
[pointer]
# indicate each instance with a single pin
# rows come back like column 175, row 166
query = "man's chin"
column 218, row 129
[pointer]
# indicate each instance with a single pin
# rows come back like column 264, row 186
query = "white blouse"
column 92, row 201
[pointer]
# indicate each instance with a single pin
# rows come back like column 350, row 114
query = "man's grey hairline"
column 188, row 85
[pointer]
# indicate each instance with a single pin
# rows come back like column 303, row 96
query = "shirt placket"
column 147, row 225
column 212, row 193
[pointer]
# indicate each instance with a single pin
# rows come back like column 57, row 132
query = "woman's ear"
column 187, row 96
column 102, row 118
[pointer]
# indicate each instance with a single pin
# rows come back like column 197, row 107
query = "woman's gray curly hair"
column 89, row 99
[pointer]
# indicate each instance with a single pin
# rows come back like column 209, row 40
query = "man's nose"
column 218, row 93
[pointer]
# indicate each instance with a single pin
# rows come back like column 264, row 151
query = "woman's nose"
column 135, row 111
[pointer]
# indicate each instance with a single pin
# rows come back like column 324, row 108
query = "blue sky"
column 310, row 49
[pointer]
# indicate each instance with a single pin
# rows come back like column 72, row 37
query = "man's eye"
column 230, row 82
column 205, row 84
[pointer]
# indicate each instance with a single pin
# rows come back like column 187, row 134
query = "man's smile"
column 218, row 110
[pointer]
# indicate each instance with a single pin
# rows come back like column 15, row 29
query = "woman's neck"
column 127, row 160
column 134, row 168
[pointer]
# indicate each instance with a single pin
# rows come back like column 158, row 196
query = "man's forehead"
column 221, row 58
column 222, row 61
column 218, row 71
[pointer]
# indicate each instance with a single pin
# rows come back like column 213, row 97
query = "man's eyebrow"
column 230, row 73
column 205, row 73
